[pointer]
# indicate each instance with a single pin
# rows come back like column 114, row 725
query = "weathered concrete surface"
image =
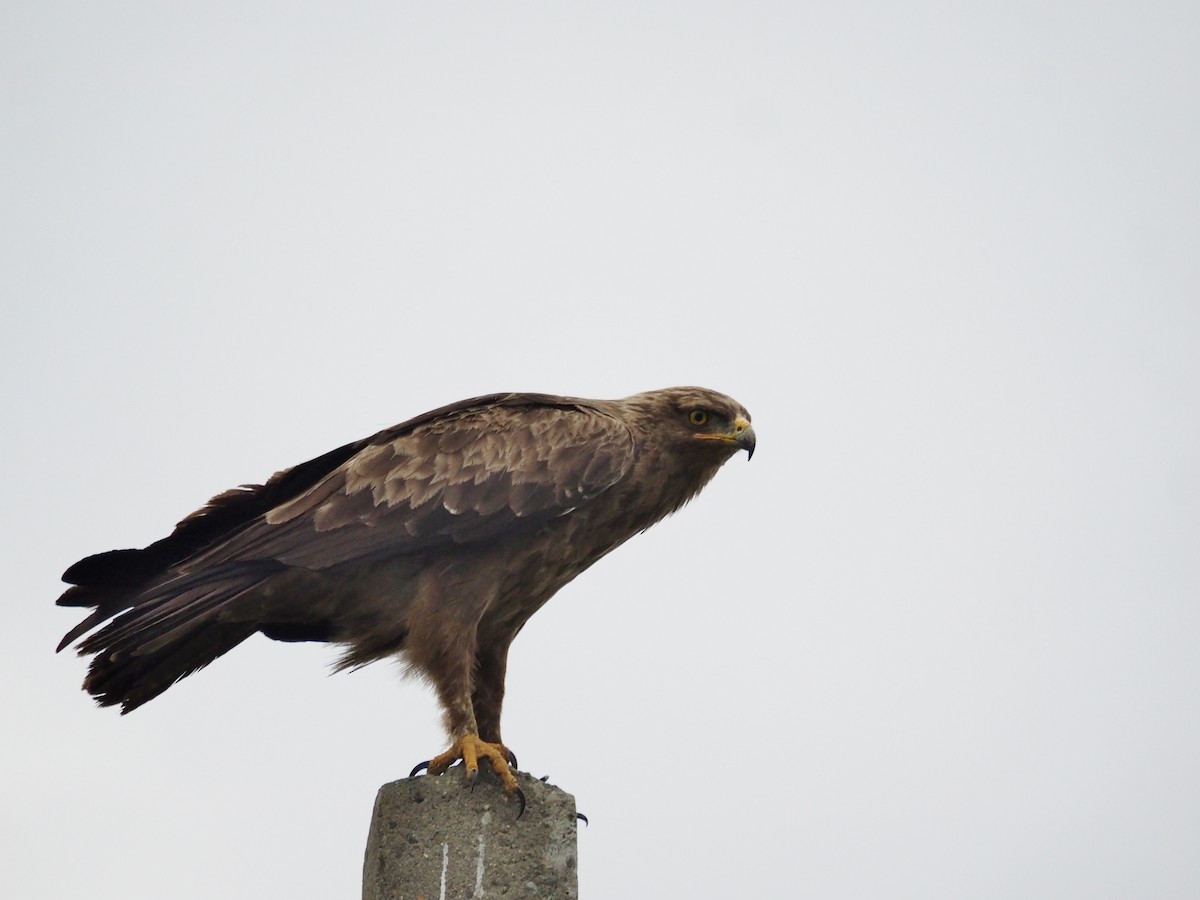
column 434, row 838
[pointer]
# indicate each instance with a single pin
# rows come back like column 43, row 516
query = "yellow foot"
column 470, row 748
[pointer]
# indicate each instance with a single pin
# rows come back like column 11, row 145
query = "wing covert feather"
column 471, row 475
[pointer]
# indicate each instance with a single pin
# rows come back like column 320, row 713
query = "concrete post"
column 433, row 838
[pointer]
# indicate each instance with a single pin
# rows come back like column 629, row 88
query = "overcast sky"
column 938, row 640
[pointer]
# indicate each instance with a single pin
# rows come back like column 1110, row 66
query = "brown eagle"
column 434, row 540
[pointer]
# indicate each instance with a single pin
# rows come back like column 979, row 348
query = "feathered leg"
column 454, row 669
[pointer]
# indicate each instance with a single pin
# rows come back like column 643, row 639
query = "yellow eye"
column 698, row 417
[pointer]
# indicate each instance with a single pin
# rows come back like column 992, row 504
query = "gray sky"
column 938, row 640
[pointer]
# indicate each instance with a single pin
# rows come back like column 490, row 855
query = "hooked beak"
column 741, row 436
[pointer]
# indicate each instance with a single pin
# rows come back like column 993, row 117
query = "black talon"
column 421, row 766
column 521, row 797
column 580, row 815
column 512, row 758
column 544, row 779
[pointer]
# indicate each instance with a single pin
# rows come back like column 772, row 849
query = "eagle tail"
column 109, row 583
column 163, row 631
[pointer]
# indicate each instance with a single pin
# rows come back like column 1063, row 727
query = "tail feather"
column 164, row 631
column 100, row 615
column 133, row 680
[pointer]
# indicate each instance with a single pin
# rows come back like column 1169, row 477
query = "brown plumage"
column 435, row 540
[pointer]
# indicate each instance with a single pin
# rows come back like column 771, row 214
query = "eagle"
column 433, row 541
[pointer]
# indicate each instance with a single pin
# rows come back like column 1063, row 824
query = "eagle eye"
column 698, row 417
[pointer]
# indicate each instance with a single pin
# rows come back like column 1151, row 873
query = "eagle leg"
column 422, row 766
column 470, row 748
